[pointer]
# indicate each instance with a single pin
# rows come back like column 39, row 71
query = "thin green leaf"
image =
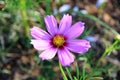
column 75, row 78
column 69, row 74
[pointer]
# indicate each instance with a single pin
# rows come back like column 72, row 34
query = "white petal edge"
column 40, row 44
column 48, row 54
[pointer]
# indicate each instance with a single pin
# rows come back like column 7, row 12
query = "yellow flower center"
column 58, row 40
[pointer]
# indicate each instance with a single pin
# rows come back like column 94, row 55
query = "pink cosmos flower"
column 60, row 40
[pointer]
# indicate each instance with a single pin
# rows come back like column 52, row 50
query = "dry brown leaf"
column 56, row 68
column 35, row 72
column 91, row 9
column 25, row 59
column 108, row 19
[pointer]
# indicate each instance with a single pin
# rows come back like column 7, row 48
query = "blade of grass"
column 83, row 74
column 75, row 78
column 69, row 74
column 47, row 7
column 25, row 17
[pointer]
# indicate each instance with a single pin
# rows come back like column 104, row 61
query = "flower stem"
column 62, row 71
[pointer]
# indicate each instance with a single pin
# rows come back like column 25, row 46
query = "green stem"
column 62, row 71
column 108, row 50
column 25, row 17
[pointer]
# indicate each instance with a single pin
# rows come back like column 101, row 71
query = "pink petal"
column 51, row 24
column 41, row 44
column 65, row 23
column 78, row 46
column 65, row 57
column 48, row 54
column 38, row 33
column 75, row 30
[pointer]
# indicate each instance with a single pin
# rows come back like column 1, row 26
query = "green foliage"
column 40, row 78
column 47, row 70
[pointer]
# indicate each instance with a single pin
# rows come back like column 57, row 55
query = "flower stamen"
column 58, row 40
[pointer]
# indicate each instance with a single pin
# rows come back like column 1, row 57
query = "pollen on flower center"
column 58, row 40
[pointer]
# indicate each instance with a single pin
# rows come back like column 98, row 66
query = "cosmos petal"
column 51, row 24
column 65, row 23
column 75, row 30
column 48, row 53
column 40, row 44
column 78, row 46
column 38, row 33
column 65, row 57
